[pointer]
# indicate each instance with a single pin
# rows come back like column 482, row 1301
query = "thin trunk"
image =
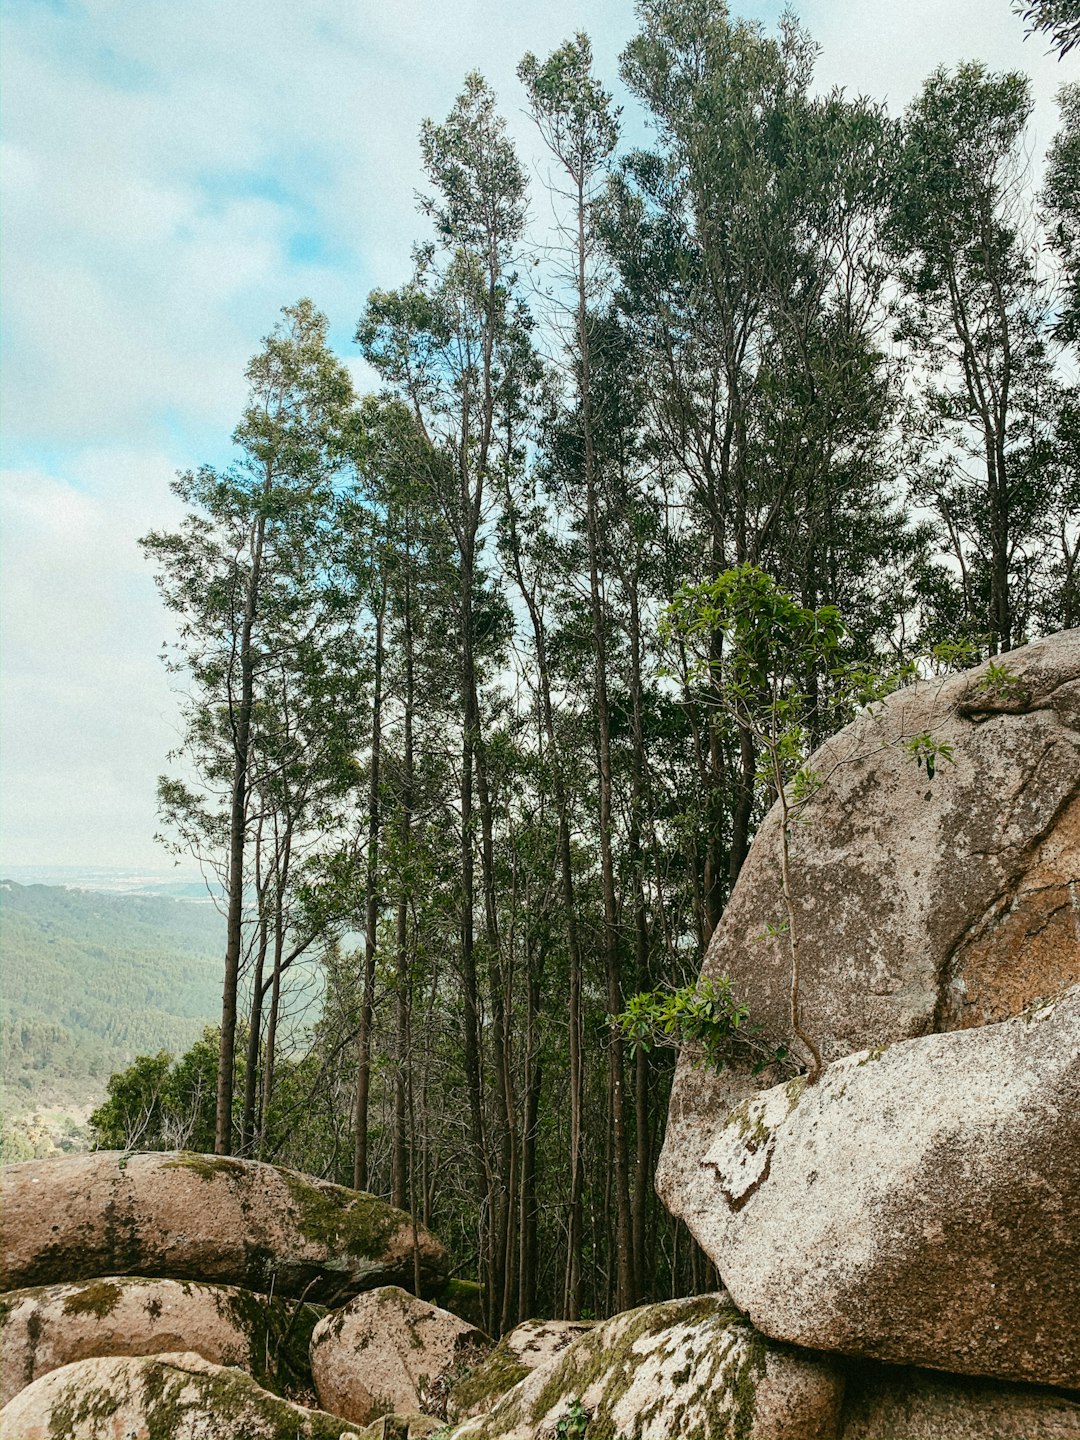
column 470, row 986
column 616, row 1095
column 402, row 1178
column 533, row 1083
column 241, row 725
column 247, row 1121
column 367, row 1004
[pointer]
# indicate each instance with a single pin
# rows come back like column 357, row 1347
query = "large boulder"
column 388, row 1351
column 53, row 1325
column 917, row 1205
column 691, row 1368
column 180, row 1396
column 885, row 1402
column 528, row 1346
column 203, row 1217
column 922, row 904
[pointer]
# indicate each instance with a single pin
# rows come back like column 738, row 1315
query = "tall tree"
column 245, row 577
column 747, row 246
column 575, row 117
column 974, row 317
column 451, row 344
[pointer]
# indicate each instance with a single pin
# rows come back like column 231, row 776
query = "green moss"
column 484, row 1384
column 99, row 1297
column 465, row 1299
column 238, row 1405
column 719, row 1365
column 742, row 1385
column 279, row 1338
column 874, row 1054
column 752, row 1130
column 340, row 1219
column 591, row 1360
column 207, row 1167
column 76, row 1404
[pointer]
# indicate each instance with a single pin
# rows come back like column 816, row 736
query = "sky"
column 171, row 175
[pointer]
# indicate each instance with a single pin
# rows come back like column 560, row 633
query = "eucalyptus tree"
column 248, row 576
column 747, row 244
column 975, row 318
column 575, row 117
column 453, row 344
column 1061, row 204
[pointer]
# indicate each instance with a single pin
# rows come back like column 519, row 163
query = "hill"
column 90, row 980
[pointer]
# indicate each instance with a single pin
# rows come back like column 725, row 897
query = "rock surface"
column 922, row 905
column 885, row 1403
column 52, row 1325
column 692, row 1368
column 388, row 1351
column 205, row 1218
column 523, row 1349
column 917, row 1205
column 182, row 1396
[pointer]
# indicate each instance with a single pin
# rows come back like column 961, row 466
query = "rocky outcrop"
column 205, row 1218
column 44, row 1328
column 886, row 1403
column 918, row 1204
column 180, row 1396
column 924, row 907
column 526, row 1348
column 388, row 1351
column 685, row 1368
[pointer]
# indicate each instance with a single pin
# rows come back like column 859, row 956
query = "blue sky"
column 172, row 174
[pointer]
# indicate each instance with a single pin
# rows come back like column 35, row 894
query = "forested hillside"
column 500, row 667
column 91, row 980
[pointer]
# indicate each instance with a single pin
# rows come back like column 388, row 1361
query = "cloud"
column 88, row 714
column 174, row 174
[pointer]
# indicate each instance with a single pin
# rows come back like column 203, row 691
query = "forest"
column 90, row 980
column 466, row 723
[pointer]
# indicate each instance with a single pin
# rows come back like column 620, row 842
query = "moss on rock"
column 162, row 1397
column 98, row 1297
column 693, row 1368
column 482, row 1385
column 349, row 1220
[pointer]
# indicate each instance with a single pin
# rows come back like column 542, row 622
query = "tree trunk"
column 240, row 720
column 371, row 916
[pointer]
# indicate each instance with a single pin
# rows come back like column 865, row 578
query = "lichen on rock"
column 161, row 1397
column 690, row 1368
column 46, row 1327
column 204, row 1218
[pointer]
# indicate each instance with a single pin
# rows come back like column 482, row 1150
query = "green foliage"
column 575, row 1423
column 156, row 1104
column 774, row 666
column 1059, row 20
column 975, row 315
column 705, row 1015
column 924, row 749
column 1061, row 202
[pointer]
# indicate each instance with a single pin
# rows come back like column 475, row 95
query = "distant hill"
column 91, row 979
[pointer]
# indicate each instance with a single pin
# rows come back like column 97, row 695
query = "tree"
column 247, row 576
column 574, row 115
column 974, row 316
column 748, row 248
column 1061, row 203
column 454, row 345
